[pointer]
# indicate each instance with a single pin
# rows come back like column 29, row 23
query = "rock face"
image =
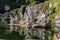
column 32, row 22
column 57, row 22
column 56, row 25
column 34, row 18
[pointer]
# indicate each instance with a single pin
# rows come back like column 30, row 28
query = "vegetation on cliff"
column 51, row 10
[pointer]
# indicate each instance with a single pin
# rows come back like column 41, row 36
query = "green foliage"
column 51, row 9
column 31, row 1
column 20, row 10
column 34, row 2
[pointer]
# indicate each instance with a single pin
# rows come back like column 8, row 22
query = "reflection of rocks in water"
column 11, row 19
column 36, row 34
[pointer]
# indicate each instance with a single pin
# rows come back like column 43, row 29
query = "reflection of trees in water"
column 10, row 36
column 13, row 36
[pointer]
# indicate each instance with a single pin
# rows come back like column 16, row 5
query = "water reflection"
column 12, row 36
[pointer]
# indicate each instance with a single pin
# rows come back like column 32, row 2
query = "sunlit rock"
column 57, row 22
column 58, row 36
column 30, row 14
column 50, row 4
column 55, row 4
column 7, row 7
column 41, row 19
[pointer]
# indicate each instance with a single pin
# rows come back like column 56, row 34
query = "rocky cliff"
column 34, row 21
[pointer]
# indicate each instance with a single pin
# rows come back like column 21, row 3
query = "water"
column 11, row 36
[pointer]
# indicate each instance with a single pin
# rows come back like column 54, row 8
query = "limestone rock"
column 57, row 22
column 32, row 22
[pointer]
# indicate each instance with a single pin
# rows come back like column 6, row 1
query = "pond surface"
column 12, row 36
